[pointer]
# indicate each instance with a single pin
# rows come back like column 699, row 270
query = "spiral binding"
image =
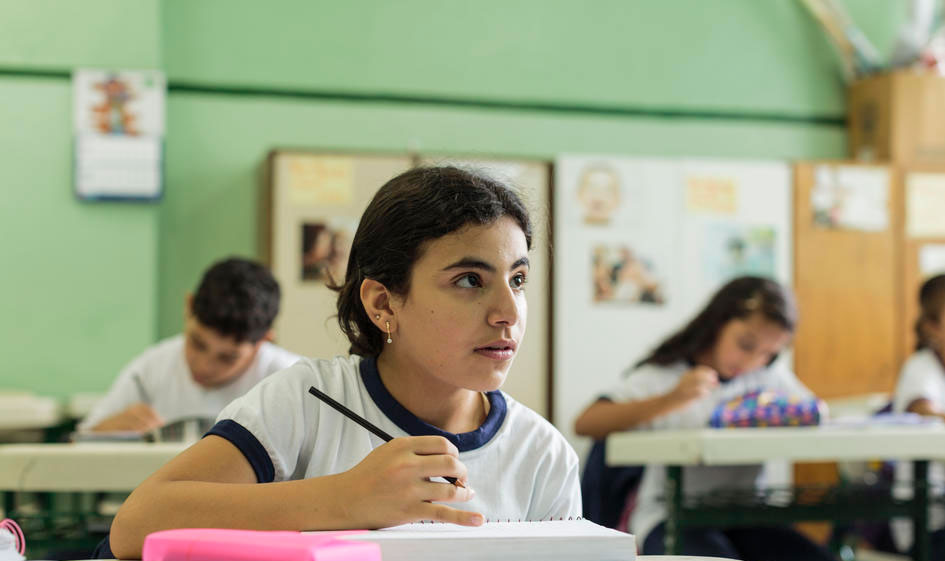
column 12, row 527
column 510, row 520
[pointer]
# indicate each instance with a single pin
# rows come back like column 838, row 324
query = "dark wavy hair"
column 738, row 299
column 931, row 302
column 238, row 298
column 419, row 205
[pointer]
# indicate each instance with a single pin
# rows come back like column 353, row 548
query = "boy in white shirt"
column 222, row 353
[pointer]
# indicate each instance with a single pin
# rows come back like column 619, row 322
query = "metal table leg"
column 920, row 514
column 674, row 495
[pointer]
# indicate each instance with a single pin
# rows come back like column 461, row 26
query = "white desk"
column 19, row 411
column 675, row 449
column 639, row 558
column 91, row 466
column 757, row 445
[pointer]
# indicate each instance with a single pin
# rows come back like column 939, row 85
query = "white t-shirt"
column 519, row 465
column 922, row 377
column 164, row 382
column 651, row 380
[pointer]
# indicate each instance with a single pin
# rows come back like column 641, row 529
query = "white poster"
column 931, row 259
column 639, row 245
column 925, row 205
column 851, row 197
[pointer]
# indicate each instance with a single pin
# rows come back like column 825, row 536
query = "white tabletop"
column 640, row 558
column 26, row 411
column 756, row 445
column 92, row 466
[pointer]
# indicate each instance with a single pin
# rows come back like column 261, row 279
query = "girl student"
column 726, row 351
column 921, row 389
column 433, row 304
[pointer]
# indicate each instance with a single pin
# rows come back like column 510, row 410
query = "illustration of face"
column 599, row 194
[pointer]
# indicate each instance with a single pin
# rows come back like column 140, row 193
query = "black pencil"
column 363, row 422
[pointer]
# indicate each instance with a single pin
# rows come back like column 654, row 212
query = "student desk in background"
column 24, row 411
column 82, row 467
column 65, row 483
column 840, row 503
column 639, row 558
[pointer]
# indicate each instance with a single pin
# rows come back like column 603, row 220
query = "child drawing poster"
column 850, row 197
column 730, row 250
column 118, row 123
column 623, row 275
column 124, row 102
column 598, row 193
column 325, row 248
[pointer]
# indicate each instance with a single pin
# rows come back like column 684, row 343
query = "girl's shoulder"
column 922, row 360
column 335, row 373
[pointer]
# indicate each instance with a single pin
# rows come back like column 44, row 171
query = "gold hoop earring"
column 389, row 340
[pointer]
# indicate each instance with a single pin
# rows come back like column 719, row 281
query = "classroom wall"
column 78, row 287
column 735, row 78
column 730, row 78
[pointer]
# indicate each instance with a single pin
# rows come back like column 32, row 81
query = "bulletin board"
column 640, row 245
column 847, row 228
column 311, row 208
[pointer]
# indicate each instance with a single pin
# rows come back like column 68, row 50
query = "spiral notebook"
column 554, row 540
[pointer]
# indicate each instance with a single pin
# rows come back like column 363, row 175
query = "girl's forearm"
column 308, row 504
column 604, row 417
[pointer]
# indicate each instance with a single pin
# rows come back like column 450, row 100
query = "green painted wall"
column 736, row 55
column 62, row 34
column 249, row 76
column 79, row 280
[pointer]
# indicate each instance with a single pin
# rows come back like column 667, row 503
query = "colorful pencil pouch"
column 768, row 409
column 208, row 544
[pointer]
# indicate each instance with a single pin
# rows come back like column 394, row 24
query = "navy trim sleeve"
column 249, row 445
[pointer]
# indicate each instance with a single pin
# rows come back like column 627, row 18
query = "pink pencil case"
column 209, row 544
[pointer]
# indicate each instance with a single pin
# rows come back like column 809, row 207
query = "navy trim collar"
column 413, row 426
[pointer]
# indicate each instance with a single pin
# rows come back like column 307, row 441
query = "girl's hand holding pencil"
column 393, row 486
column 695, row 384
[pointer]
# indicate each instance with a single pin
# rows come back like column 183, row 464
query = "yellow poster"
column 318, row 180
column 717, row 195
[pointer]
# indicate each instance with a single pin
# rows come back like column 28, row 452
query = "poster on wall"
column 925, row 205
column 731, row 249
column 325, row 246
column 639, row 245
column 118, row 124
column 931, row 260
column 850, row 197
column 623, row 275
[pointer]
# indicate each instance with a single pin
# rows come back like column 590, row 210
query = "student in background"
column 223, row 352
column 921, row 389
column 726, row 351
column 434, row 306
